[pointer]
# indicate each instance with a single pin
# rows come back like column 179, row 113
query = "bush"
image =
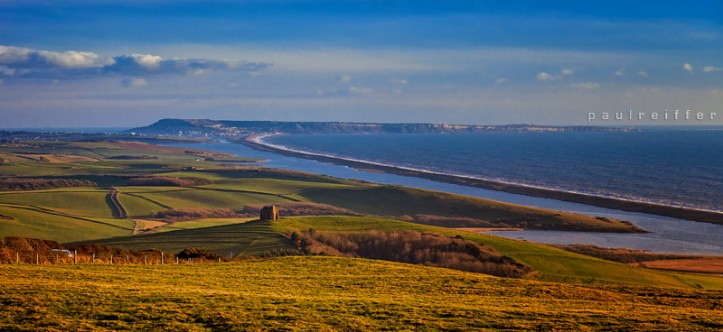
column 411, row 247
column 283, row 252
column 620, row 254
column 167, row 181
column 174, row 215
column 198, row 253
column 15, row 184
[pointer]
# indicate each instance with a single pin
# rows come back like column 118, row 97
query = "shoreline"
column 256, row 142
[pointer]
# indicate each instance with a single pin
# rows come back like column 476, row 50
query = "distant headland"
column 223, row 128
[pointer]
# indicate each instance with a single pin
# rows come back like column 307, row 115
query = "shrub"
column 14, row 184
column 198, row 253
column 174, row 215
column 620, row 254
column 167, row 181
column 411, row 247
column 283, row 252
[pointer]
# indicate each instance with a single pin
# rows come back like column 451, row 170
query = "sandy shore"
column 256, row 142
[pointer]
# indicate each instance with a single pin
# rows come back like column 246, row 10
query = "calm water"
column 669, row 234
column 682, row 168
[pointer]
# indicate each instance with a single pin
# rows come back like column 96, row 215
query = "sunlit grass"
column 323, row 293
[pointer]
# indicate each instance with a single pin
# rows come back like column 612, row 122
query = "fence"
column 76, row 258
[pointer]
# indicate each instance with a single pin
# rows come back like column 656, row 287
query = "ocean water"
column 669, row 235
column 670, row 167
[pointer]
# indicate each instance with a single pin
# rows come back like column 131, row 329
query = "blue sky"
column 128, row 63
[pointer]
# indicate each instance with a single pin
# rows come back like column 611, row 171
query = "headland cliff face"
column 206, row 127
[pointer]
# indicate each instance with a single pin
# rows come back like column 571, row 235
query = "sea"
column 669, row 167
column 675, row 167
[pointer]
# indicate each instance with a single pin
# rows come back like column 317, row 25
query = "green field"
column 43, row 224
column 550, row 264
column 325, row 293
column 233, row 240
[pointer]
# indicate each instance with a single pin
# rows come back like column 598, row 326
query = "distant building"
column 269, row 212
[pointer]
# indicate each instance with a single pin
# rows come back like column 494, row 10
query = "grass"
column 324, row 293
column 196, row 198
column 44, row 225
column 400, row 201
column 139, row 206
column 551, row 264
column 204, row 223
column 232, row 240
column 85, row 202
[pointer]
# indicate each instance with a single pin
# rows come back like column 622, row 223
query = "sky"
column 104, row 63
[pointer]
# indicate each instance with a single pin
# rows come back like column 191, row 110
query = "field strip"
column 251, row 192
column 57, row 213
column 22, row 192
column 150, row 200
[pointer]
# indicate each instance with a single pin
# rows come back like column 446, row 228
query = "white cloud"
column 619, row 73
column 344, row 78
column 399, row 81
column 710, row 69
column 543, row 76
column 18, row 57
column 688, row 67
column 501, row 80
column 72, row 59
column 147, row 60
column 586, row 85
column 566, row 72
column 134, row 82
column 643, row 73
column 25, row 62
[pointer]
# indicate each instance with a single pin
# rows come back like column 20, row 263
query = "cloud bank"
column 24, row 62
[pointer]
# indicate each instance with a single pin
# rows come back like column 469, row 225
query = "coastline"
column 256, row 142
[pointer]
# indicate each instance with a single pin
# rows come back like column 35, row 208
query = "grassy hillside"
column 230, row 186
column 551, row 264
column 400, row 201
column 234, row 240
column 46, row 224
column 324, row 293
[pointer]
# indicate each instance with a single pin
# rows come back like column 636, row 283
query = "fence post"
column 161, row 257
column 111, row 259
column 176, row 260
column 145, row 260
column 93, row 261
column 17, row 257
column 37, row 259
column 219, row 259
column 75, row 256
